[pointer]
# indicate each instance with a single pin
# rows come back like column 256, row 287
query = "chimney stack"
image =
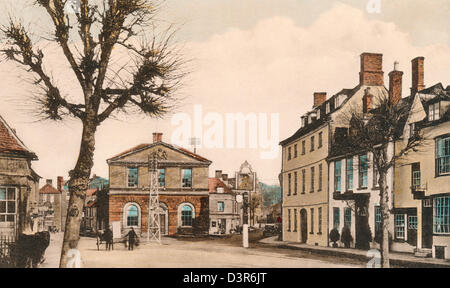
column 219, row 174
column 319, row 98
column 371, row 69
column 157, row 137
column 395, row 85
column 417, row 75
column 59, row 183
column 49, row 181
column 367, row 101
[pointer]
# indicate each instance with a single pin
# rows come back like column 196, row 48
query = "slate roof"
column 213, row 183
column 10, row 142
column 436, row 92
column 324, row 117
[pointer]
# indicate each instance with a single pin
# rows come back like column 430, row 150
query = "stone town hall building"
column 183, row 181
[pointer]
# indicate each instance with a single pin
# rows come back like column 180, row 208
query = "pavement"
column 211, row 253
column 179, row 253
column 396, row 259
column 53, row 251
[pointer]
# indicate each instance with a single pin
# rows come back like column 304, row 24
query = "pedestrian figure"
column 108, row 237
column 131, row 239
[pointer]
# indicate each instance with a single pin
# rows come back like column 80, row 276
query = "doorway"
column 222, row 226
column 363, row 234
column 427, row 224
column 163, row 219
column 303, row 226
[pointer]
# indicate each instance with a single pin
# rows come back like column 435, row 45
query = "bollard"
column 245, row 236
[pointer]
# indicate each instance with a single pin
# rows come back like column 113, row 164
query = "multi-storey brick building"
column 304, row 174
column 183, row 181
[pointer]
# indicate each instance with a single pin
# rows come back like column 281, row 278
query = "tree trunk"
column 78, row 184
column 384, row 205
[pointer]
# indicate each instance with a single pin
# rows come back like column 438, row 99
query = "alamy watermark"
column 375, row 261
column 72, row 7
column 373, row 6
column 73, row 259
column 229, row 130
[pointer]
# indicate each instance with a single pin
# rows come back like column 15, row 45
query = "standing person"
column 108, row 235
column 131, row 238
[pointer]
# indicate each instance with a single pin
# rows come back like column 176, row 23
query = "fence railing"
column 5, row 244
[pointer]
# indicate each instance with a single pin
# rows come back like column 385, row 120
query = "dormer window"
column 318, row 114
column 339, row 100
column 327, row 108
column 303, row 121
column 433, row 112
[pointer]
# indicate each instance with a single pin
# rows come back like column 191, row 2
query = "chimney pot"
column 319, row 98
column 371, row 69
column 219, row 174
column 59, row 183
column 395, row 85
column 157, row 137
column 225, row 177
column 417, row 75
column 367, row 101
column 49, row 181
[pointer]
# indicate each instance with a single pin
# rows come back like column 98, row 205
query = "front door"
column 362, row 229
column 162, row 222
column 412, row 229
column 303, row 226
column 223, row 226
column 427, row 224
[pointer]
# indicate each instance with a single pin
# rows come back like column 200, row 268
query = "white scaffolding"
column 153, row 223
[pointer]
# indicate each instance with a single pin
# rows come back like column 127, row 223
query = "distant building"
column 50, row 207
column 97, row 182
column 19, row 184
column 245, row 184
column 224, row 214
column 183, row 192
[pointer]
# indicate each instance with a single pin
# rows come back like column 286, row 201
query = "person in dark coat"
column 131, row 239
column 108, row 236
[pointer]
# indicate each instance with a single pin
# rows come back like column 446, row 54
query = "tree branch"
column 20, row 46
column 55, row 10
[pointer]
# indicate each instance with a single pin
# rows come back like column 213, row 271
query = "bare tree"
column 152, row 72
column 374, row 132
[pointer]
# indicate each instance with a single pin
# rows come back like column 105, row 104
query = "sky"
column 248, row 56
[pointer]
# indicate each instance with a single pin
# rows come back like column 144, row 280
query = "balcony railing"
column 419, row 191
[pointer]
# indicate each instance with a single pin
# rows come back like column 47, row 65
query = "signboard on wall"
column 117, row 233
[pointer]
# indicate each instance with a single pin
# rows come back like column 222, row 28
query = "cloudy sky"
column 249, row 56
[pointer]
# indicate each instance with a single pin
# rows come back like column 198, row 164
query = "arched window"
column 132, row 216
column 186, row 215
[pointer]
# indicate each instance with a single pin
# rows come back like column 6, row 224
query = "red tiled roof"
column 90, row 192
column 213, row 183
column 145, row 145
column 48, row 189
column 10, row 143
column 136, row 148
column 192, row 154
